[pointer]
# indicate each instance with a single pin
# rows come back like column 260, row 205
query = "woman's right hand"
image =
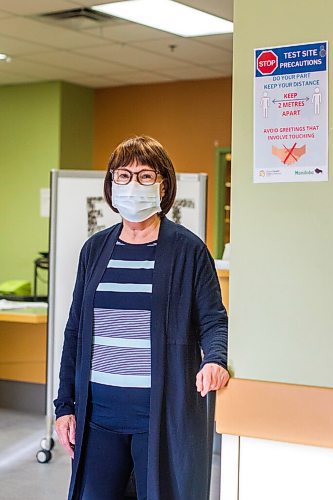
column 65, row 428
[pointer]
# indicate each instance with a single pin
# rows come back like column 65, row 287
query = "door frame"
column 219, row 198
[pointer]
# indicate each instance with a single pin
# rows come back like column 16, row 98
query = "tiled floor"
column 23, row 478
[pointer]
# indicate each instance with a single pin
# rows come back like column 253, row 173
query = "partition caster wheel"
column 47, row 444
column 43, row 456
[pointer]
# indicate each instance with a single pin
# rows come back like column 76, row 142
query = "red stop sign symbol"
column 267, row 62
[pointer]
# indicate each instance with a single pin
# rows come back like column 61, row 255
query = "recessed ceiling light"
column 167, row 15
column 4, row 57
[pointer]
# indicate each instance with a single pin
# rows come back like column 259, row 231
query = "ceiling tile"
column 141, row 77
column 70, row 60
column 193, row 73
column 224, row 69
column 90, row 3
column 42, row 71
column 186, row 50
column 37, row 31
column 3, row 14
column 25, row 7
column 116, row 53
column 132, row 56
column 223, row 42
column 12, row 46
column 222, row 8
column 128, row 32
column 94, row 82
column 9, row 78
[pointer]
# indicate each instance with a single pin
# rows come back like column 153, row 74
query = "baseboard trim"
column 24, row 396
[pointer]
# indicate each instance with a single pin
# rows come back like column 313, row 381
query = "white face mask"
column 136, row 202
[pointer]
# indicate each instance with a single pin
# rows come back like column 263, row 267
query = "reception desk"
column 23, row 352
column 223, row 275
column 23, row 347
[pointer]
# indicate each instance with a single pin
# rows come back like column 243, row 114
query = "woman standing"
column 146, row 305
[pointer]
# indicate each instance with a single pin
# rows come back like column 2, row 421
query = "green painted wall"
column 29, row 144
column 37, row 128
column 281, row 286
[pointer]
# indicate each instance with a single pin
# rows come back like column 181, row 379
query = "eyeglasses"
column 124, row 176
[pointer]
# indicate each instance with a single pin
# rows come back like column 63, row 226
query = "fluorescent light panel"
column 167, row 15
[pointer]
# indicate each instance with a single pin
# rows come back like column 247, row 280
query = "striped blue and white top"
column 121, row 358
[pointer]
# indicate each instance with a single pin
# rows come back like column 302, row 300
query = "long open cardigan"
column 187, row 314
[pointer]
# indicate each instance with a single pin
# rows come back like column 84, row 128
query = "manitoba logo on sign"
column 267, row 62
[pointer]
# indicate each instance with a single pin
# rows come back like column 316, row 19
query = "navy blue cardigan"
column 187, row 314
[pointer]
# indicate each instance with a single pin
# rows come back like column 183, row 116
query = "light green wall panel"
column 281, row 293
column 42, row 126
column 29, row 144
column 77, row 114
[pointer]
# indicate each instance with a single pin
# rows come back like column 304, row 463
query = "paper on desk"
column 14, row 304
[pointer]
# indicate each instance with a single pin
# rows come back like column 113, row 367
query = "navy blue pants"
column 108, row 459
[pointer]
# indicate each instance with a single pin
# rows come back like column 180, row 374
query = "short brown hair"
column 143, row 150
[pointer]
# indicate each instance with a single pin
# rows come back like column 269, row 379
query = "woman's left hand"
column 211, row 377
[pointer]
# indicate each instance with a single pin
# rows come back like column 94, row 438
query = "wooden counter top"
column 28, row 315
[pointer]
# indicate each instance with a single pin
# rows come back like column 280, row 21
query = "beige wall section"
column 281, row 281
column 188, row 118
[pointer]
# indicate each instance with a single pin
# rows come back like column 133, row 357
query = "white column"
column 229, row 467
